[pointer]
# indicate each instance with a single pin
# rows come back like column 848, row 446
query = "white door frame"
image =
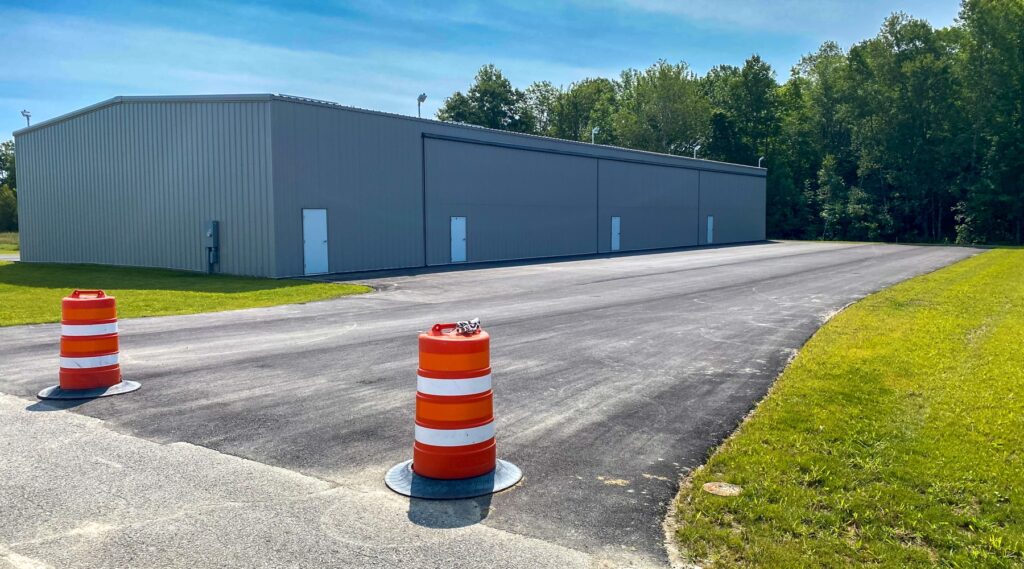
column 314, row 241
column 458, row 252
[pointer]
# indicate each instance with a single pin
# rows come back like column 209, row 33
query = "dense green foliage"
column 892, row 440
column 916, row 134
column 8, row 188
column 31, row 292
column 8, row 241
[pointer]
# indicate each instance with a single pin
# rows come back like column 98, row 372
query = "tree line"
column 916, row 134
column 8, row 188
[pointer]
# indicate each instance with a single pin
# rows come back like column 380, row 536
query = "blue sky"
column 59, row 56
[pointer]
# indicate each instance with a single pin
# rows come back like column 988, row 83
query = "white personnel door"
column 616, row 233
column 314, row 241
column 711, row 229
column 458, row 239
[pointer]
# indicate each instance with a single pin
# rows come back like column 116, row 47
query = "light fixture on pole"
column 593, row 133
column 419, row 101
column 760, row 161
column 27, row 116
column 695, row 149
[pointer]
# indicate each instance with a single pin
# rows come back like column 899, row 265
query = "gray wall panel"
column 657, row 206
column 365, row 169
column 738, row 204
column 131, row 180
column 132, row 183
column 518, row 204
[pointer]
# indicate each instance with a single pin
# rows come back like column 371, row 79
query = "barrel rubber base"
column 56, row 392
column 403, row 480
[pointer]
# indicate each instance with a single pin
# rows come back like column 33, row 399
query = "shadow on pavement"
column 449, row 514
column 479, row 265
column 56, row 405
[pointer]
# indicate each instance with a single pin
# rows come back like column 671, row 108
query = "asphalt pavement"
column 613, row 377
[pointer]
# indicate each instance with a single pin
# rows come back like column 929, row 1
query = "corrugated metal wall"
column 365, row 170
column 518, row 204
column 132, row 183
column 656, row 205
column 391, row 184
column 738, row 204
column 132, row 180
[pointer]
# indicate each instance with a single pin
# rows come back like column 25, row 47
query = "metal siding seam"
column 79, row 182
column 195, row 251
column 185, row 167
column 232, row 206
column 160, row 183
column 147, row 197
column 267, row 181
column 267, row 225
column 236, row 205
column 423, row 192
column 145, row 179
column 255, row 196
column 270, row 198
column 144, row 194
column 217, row 187
column 125, row 128
column 597, row 205
column 700, row 189
column 209, row 156
column 175, row 229
column 56, row 156
column 184, row 163
column 247, row 189
column 56, row 222
column 244, row 245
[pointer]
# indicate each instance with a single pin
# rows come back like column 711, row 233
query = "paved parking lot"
column 613, row 377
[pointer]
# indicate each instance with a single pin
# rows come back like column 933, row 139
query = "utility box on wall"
column 211, row 236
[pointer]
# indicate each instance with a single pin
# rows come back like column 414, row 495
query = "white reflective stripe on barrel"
column 88, row 329
column 90, row 362
column 455, row 437
column 452, row 387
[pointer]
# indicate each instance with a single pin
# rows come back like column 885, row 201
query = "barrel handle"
column 88, row 293
column 438, row 328
column 462, row 328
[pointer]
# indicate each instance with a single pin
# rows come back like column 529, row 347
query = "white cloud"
column 842, row 20
column 57, row 51
column 779, row 15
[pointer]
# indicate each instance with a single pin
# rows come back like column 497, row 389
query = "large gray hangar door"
column 518, row 204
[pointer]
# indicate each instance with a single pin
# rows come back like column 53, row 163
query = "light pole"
column 695, row 149
column 760, row 161
column 593, row 133
column 27, row 116
column 419, row 101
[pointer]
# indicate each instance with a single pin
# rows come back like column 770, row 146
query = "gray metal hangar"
column 298, row 186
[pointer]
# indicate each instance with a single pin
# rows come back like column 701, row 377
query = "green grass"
column 8, row 241
column 31, row 293
column 895, row 438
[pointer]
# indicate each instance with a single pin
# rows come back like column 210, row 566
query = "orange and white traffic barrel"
column 454, row 442
column 89, row 349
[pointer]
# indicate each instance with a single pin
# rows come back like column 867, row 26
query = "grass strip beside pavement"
column 31, row 293
column 8, row 242
column 894, row 439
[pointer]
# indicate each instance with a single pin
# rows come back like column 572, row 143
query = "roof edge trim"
column 144, row 99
